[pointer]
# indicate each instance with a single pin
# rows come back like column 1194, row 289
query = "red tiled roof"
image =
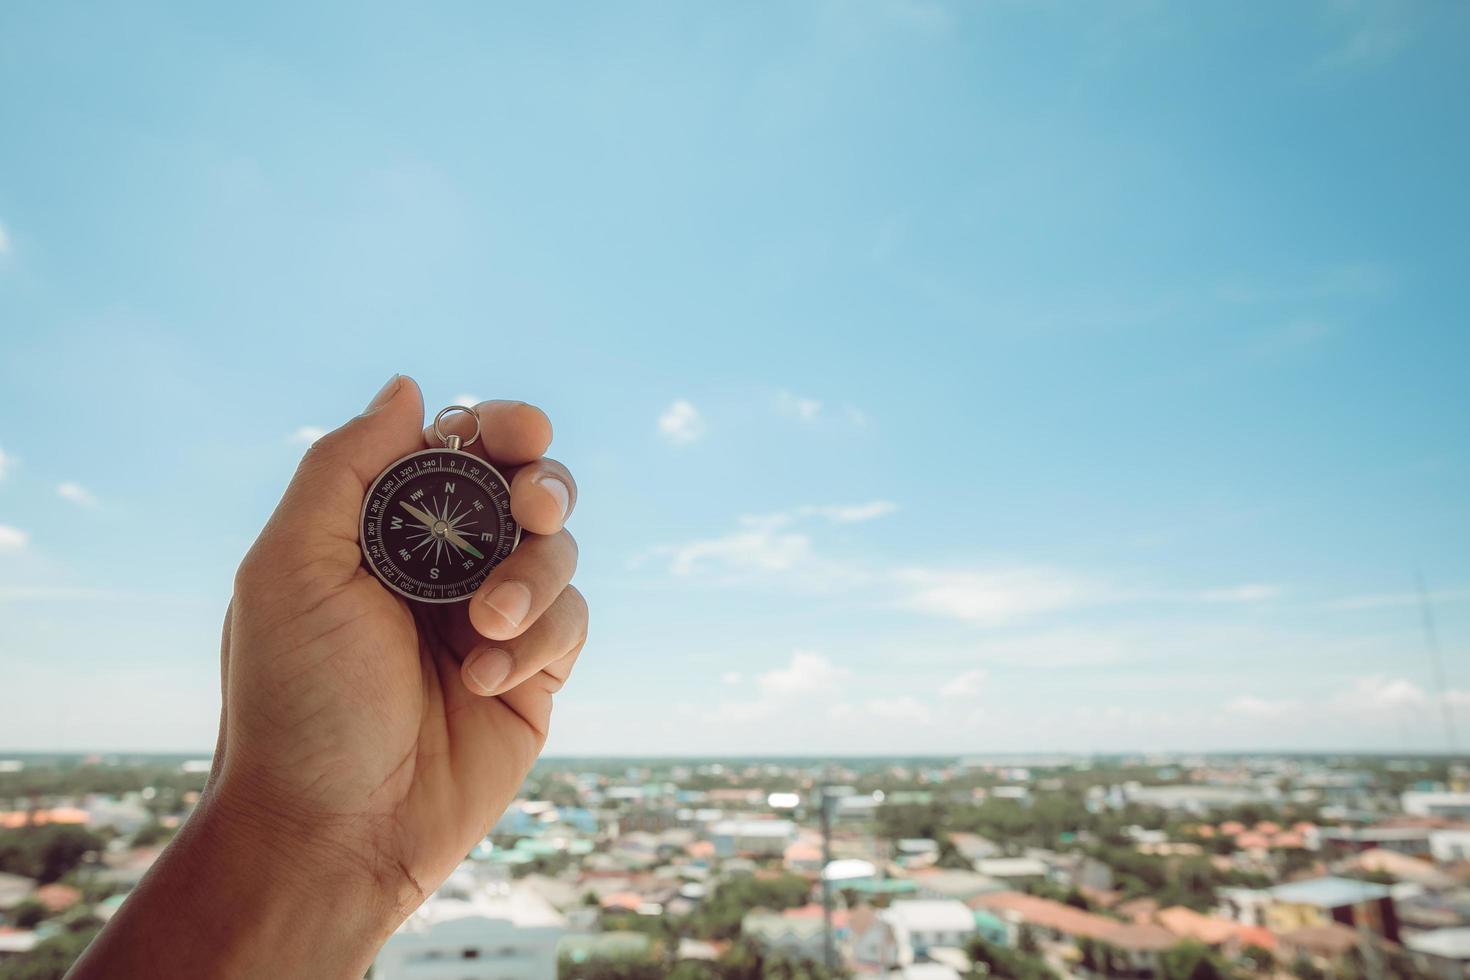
column 1330, row 940
column 1257, row 936
column 1189, row 924
column 1046, row 913
column 58, row 897
column 1141, row 936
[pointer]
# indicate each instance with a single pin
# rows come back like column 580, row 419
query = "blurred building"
column 478, row 926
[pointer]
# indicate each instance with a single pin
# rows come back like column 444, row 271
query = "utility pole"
column 1431, row 639
column 829, row 950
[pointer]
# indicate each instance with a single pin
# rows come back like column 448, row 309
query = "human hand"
column 368, row 742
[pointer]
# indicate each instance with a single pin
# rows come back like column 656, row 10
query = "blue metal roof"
column 1329, row 893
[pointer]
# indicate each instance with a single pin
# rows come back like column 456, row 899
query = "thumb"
column 324, row 500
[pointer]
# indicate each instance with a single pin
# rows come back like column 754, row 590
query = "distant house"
column 14, row 889
column 1440, row 803
column 973, row 847
column 765, row 838
column 1141, row 945
column 1047, row 919
column 1443, row 952
column 477, row 926
column 875, row 944
column 952, row 884
column 1323, row 945
column 796, row 936
column 1014, row 872
column 928, row 923
column 1346, row 901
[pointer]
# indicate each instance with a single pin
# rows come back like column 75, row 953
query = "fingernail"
column 559, row 493
column 512, row 600
column 384, row 393
column 488, row 669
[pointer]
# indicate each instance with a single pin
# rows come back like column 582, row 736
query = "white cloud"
column 12, row 538
column 1256, row 707
column 753, row 550
column 468, row 401
column 1378, row 692
column 965, row 685
column 805, row 409
column 807, row 672
column 853, row 513
column 1391, row 599
column 1375, row 33
column 5, row 463
column 993, row 597
column 904, row 708
column 4, row 240
column 1250, row 592
column 856, row 416
column 809, row 676
column 308, row 434
column 681, row 423
column 76, row 493
column 731, row 677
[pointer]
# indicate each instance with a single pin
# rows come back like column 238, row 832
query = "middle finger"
column 521, row 587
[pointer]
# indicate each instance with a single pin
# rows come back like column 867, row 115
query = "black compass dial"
column 435, row 523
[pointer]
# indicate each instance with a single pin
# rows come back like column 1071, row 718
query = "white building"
column 1436, row 804
column 926, row 923
column 762, row 837
column 477, row 926
column 1443, row 952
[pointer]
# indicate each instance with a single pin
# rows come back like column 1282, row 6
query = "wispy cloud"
column 807, row 672
column 772, row 543
column 76, row 493
column 1369, row 33
column 1257, row 707
column 1250, row 592
column 468, row 401
column 12, row 539
column 992, row 598
column 4, row 240
column 681, row 423
column 853, row 513
column 1381, row 600
column 797, row 406
column 307, row 434
column 757, row 549
column 807, row 677
column 5, row 463
column 965, row 685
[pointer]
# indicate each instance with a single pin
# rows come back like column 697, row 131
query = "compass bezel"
column 491, row 474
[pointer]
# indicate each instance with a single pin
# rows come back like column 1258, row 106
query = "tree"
column 1008, row 964
column 51, row 957
column 1257, row 959
column 1191, row 961
column 46, row 852
column 28, row 914
column 719, row 916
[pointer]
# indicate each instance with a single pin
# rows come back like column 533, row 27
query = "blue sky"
column 949, row 378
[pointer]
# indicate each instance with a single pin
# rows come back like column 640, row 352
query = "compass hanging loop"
column 450, row 440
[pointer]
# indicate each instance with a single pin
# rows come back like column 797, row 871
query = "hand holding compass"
column 372, row 728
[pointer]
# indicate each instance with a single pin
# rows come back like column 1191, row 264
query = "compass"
column 436, row 522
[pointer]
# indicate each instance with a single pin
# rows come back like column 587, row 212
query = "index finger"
column 511, row 433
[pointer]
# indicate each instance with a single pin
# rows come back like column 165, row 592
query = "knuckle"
column 568, row 545
column 576, row 605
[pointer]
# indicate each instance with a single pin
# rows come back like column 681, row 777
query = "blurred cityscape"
column 1055, row 866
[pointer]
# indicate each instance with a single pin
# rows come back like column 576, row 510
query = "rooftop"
column 1329, row 892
